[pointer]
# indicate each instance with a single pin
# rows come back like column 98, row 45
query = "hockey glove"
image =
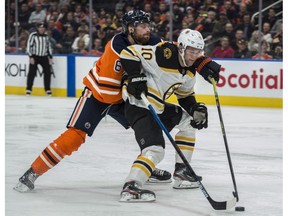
column 200, row 116
column 208, row 68
column 136, row 85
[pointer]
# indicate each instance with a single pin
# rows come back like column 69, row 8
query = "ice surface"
column 89, row 182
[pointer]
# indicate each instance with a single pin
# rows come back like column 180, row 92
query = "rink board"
column 242, row 82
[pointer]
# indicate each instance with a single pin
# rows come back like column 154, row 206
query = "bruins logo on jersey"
column 167, row 53
column 171, row 90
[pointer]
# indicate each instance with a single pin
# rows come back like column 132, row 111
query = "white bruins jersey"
column 164, row 74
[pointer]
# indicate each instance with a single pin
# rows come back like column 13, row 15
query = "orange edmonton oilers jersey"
column 105, row 78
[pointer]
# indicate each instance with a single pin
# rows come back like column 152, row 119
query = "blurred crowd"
column 226, row 25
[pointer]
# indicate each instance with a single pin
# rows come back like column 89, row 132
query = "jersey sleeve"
column 29, row 44
column 187, row 88
column 119, row 43
column 130, row 61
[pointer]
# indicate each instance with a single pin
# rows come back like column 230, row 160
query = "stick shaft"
column 224, row 137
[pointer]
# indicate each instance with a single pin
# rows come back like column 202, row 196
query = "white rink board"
column 237, row 78
column 82, row 66
column 247, row 78
column 17, row 67
column 261, row 79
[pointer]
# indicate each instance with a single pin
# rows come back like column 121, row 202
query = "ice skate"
column 160, row 176
column 183, row 179
column 26, row 182
column 49, row 93
column 28, row 93
column 132, row 193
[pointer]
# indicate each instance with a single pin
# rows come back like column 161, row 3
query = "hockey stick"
column 235, row 193
column 216, row 205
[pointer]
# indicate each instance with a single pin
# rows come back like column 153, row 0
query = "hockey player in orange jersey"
column 101, row 96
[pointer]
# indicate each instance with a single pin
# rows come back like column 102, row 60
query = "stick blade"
column 223, row 205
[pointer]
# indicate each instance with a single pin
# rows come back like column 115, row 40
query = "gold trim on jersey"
column 169, row 70
column 155, row 92
column 132, row 49
column 155, row 102
column 161, row 43
column 128, row 54
column 124, row 87
column 171, row 90
column 190, row 73
column 155, row 98
column 183, row 93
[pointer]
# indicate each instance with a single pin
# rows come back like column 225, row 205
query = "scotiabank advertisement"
column 245, row 83
column 248, row 78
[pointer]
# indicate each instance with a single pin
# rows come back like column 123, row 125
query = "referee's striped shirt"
column 39, row 45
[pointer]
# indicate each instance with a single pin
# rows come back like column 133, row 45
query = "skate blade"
column 127, row 197
column 153, row 181
column 22, row 188
column 180, row 184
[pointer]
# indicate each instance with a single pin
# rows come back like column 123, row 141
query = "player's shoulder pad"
column 119, row 42
column 167, row 55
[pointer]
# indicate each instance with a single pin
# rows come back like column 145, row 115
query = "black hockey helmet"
column 134, row 17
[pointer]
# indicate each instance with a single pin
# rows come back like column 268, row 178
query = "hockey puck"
column 239, row 208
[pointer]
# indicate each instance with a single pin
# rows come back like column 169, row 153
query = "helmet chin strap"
column 182, row 57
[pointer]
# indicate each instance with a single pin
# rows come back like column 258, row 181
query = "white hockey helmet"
column 191, row 38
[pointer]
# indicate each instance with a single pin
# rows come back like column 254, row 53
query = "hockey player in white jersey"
column 159, row 71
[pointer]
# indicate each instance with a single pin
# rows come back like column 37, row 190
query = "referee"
column 40, row 52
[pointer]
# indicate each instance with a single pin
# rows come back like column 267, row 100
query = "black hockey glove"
column 136, row 85
column 208, row 68
column 200, row 116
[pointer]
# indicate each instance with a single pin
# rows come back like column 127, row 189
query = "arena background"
column 243, row 82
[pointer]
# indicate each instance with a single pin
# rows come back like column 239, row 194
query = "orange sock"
column 65, row 144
